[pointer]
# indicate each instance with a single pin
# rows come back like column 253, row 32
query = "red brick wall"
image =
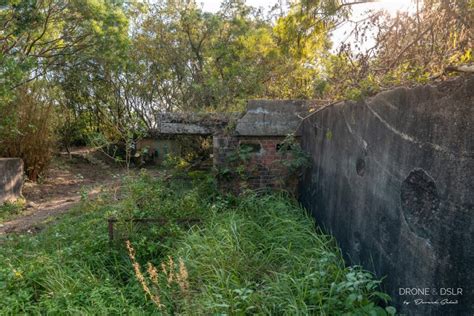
column 264, row 169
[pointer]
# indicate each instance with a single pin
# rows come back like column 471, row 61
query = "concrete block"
column 11, row 179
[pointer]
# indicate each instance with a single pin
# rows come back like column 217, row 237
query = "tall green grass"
column 249, row 255
column 265, row 256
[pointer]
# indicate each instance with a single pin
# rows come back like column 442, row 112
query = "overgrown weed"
column 9, row 210
column 249, row 254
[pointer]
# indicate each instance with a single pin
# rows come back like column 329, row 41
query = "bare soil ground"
column 61, row 187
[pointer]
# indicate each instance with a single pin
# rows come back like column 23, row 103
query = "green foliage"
column 71, row 268
column 409, row 49
column 242, row 154
column 113, row 66
column 39, row 37
column 293, row 156
column 9, row 210
column 247, row 255
column 73, row 131
column 175, row 162
column 329, row 135
column 119, row 144
column 27, row 128
column 42, row 43
column 67, row 269
column 238, row 165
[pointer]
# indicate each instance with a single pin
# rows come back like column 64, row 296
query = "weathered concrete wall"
column 11, row 179
column 392, row 178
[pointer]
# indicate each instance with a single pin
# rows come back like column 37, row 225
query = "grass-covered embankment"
column 252, row 254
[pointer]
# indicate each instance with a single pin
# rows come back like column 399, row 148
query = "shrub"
column 27, row 128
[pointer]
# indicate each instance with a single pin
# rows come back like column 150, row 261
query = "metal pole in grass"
column 111, row 222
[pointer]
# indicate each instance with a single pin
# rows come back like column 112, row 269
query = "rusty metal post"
column 111, row 229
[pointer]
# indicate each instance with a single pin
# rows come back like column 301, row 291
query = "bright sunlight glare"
column 361, row 11
column 391, row 6
column 342, row 34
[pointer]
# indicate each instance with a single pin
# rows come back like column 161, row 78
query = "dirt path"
column 62, row 187
column 33, row 219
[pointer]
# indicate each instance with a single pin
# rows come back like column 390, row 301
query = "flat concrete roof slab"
column 192, row 123
column 272, row 117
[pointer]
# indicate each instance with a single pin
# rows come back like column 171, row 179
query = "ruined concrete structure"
column 11, row 179
column 261, row 130
column 392, row 178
